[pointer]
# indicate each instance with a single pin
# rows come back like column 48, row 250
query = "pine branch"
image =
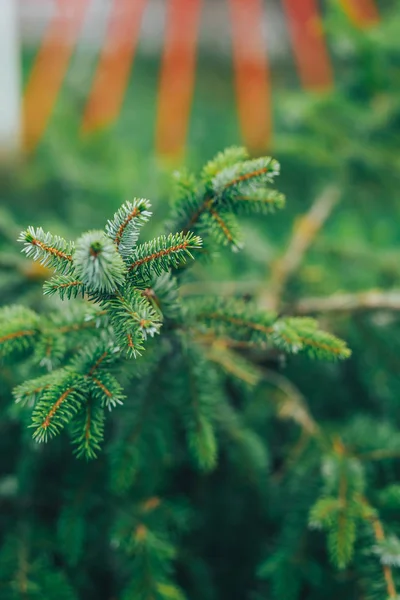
column 380, row 538
column 303, row 235
column 133, row 320
column 50, row 348
column 198, row 211
column 243, row 322
column 234, row 316
column 222, row 226
column 233, row 364
column 106, row 390
column 51, row 251
column 292, row 404
column 150, row 571
column 67, row 286
column 96, row 356
column 164, row 296
column 162, row 254
column 58, row 405
column 79, row 388
column 78, row 321
column 318, row 344
column 197, row 207
column 30, row 391
column 88, row 430
column 245, row 176
column 235, row 187
column 261, row 201
column 136, row 293
column 124, row 228
column 227, row 158
column 19, row 328
column 357, row 302
column 199, row 413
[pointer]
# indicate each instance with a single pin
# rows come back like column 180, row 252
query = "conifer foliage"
column 126, row 359
column 115, row 276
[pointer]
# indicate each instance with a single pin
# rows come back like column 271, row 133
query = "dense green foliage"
column 304, row 499
column 128, row 292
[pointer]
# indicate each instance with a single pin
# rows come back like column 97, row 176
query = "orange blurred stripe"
column 50, row 66
column 112, row 74
column 311, row 54
column 362, row 12
column 252, row 81
column 177, row 76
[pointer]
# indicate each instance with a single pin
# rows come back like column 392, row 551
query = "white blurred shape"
column 10, row 81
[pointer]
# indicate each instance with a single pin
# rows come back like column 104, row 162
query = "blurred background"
column 102, row 97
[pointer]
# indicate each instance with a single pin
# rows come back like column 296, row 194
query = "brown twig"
column 228, row 360
column 379, row 535
column 382, row 454
column 357, row 302
column 294, row 405
column 304, row 232
column 18, row 334
column 387, row 571
column 51, row 250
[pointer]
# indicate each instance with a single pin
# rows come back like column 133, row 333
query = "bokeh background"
column 115, row 92
column 114, row 95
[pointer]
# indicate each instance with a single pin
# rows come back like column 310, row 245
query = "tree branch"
column 357, row 302
column 303, row 235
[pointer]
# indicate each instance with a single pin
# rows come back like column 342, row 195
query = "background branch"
column 304, row 231
column 359, row 301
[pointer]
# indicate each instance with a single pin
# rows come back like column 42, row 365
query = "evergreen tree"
column 341, row 263
column 130, row 361
column 304, row 498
